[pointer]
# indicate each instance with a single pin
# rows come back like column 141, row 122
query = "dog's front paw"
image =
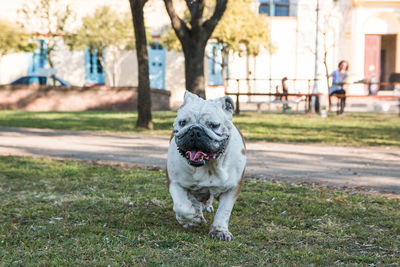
column 188, row 217
column 188, row 225
column 221, row 235
column 190, row 221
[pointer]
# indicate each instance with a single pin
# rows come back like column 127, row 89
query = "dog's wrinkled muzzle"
column 198, row 147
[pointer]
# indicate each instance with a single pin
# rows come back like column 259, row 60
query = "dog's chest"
column 202, row 194
column 208, row 179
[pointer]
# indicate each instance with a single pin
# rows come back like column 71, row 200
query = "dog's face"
column 202, row 128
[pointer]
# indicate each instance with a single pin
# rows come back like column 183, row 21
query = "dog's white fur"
column 220, row 177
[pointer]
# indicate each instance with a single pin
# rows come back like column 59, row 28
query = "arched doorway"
column 380, row 48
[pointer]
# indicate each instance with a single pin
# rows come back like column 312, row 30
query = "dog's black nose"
column 196, row 131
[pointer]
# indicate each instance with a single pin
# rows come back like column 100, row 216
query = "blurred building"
column 364, row 32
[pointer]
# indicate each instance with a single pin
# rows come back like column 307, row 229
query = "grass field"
column 66, row 213
column 356, row 129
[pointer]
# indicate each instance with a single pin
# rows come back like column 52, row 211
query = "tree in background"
column 239, row 27
column 13, row 39
column 329, row 39
column 108, row 32
column 193, row 35
column 144, row 94
column 250, row 32
column 53, row 19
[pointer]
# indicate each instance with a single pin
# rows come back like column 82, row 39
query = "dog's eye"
column 214, row 125
column 182, row 123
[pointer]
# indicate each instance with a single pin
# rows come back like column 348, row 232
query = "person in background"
column 339, row 79
column 285, row 91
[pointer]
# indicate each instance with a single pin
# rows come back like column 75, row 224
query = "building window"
column 213, row 58
column 37, row 60
column 157, row 57
column 280, row 8
column 42, row 54
column 215, row 74
column 94, row 71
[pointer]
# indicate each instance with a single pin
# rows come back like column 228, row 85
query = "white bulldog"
column 206, row 159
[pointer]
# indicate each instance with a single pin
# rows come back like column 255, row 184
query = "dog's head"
column 202, row 128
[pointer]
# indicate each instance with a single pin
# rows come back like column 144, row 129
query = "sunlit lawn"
column 353, row 129
column 56, row 213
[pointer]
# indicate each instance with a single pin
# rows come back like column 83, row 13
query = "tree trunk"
column 326, row 69
column 194, row 69
column 49, row 60
column 144, row 97
column 327, row 78
column 194, row 39
column 248, row 69
column 49, row 52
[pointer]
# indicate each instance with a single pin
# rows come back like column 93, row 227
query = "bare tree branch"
column 194, row 39
column 210, row 24
column 196, row 8
column 178, row 24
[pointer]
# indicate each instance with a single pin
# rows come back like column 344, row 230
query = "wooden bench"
column 375, row 97
column 258, row 104
column 277, row 99
column 296, row 102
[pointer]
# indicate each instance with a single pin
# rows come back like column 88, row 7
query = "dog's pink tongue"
column 196, row 155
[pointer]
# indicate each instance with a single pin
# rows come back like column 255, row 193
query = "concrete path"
column 376, row 169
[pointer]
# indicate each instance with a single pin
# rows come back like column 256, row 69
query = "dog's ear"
column 189, row 97
column 227, row 103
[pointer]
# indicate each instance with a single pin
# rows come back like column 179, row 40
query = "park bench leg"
column 338, row 106
column 237, row 105
column 308, row 104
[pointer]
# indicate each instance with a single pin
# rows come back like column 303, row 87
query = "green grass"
column 67, row 213
column 355, row 129
column 109, row 121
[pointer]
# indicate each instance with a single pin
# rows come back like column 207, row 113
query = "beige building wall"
column 342, row 28
column 70, row 65
column 294, row 43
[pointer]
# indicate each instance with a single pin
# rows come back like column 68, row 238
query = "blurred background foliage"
column 14, row 39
